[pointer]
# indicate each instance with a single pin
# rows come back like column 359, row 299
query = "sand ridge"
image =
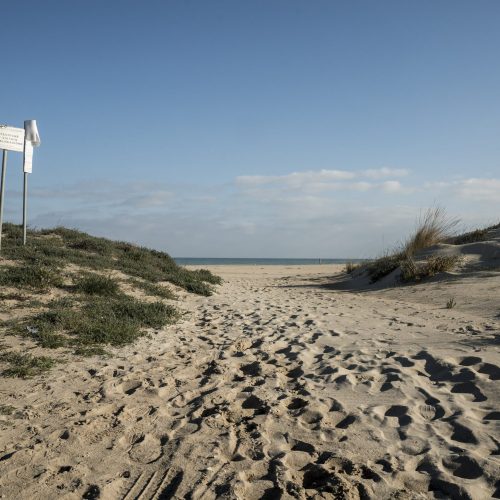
column 273, row 388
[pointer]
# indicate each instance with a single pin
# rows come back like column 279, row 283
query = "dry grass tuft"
column 411, row 271
column 350, row 267
column 433, row 227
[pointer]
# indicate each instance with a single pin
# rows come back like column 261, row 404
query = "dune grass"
column 481, row 234
column 451, row 303
column 33, row 275
column 25, row 365
column 97, row 306
column 432, row 228
column 350, row 267
column 153, row 289
column 96, row 284
column 54, row 248
column 412, row 271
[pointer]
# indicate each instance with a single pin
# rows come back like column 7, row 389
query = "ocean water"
column 195, row 261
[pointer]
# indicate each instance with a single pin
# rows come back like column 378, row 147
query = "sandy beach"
column 281, row 385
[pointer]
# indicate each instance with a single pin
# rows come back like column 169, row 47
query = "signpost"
column 21, row 140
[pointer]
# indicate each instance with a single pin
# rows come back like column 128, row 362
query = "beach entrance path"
column 275, row 387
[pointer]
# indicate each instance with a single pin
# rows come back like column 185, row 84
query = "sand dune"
column 276, row 387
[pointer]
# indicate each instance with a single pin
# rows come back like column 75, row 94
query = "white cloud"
column 380, row 173
column 321, row 181
column 317, row 177
column 312, row 213
column 391, row 186
column 107, row 194
column 475, row 188
column 479, row 189
column 295, row 179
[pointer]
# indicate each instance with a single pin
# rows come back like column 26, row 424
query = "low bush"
column 35, row 276
column 96, row 284
column 433, row 227
column 153, row 289
column 25, row 365
column 100, row 320
column 61, row 246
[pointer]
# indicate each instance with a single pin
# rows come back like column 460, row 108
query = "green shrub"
column 87, row 351
column 206, row 275
column 97, row 245
column 25, row 365
column 96, row 284
column 99, row 320
column 153, row 289
column 61, row 246
column 34, row 276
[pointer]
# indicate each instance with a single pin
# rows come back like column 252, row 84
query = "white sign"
column 28, row 157
column 12, row 138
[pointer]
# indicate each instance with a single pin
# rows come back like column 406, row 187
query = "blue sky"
column 255, row 129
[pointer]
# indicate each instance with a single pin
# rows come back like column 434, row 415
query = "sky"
column 265, row 128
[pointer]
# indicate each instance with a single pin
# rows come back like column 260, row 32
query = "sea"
column 205, row 261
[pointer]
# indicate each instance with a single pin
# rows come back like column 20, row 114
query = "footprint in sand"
column 428, row 412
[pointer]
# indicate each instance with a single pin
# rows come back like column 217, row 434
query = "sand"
column 279, row 386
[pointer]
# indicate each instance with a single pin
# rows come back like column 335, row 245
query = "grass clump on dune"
column 96, row 284
column 153, row 289
column 383, row 266
column 433, row 227
column 475, row 236
column 62, row 246
column 31, row 275
column 25, row 365
column 350, row 267
column 412, row 271
column 108, row 320
column 101, row 307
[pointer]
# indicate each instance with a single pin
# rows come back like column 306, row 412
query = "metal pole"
column 25, row 206
column 2, row 192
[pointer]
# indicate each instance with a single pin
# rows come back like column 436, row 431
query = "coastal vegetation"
column 68, row 290
column 434, row 227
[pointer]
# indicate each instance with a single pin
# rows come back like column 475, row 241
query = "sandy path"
column 273, row 388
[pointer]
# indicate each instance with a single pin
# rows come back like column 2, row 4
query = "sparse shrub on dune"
column 31, row 275
column 433, row 227
column 25, row 365
column 114, row 320
column 61, row 246
column 100, row 308
column 475, row 236
column 412, row 271
column 96, row 284
column 383, row 266
column 153, row 289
